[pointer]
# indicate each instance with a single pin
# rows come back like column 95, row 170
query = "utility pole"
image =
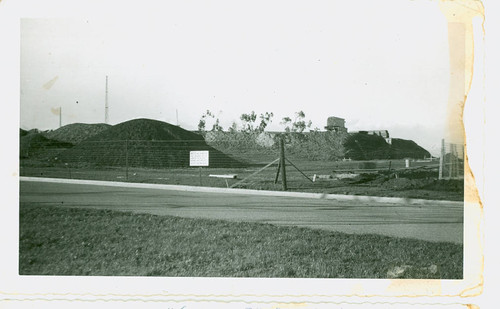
column 60, row 116
column 106, row 107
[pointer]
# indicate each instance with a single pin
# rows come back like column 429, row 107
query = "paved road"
column 439, row 222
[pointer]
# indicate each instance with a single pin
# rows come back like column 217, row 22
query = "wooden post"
column 282, row 163
column 277, row 172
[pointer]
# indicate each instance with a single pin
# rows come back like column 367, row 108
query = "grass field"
column 71, row 241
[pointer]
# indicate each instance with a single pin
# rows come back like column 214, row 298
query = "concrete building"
column 335, row 124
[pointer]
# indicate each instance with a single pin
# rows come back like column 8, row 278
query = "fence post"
column 282, row 163
column 452, row 161
column 441, row 160
column 455, row 161
column 277, row 172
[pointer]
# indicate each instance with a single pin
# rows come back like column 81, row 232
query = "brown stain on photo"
column 459, row 15
column 50, row 83
column 55, row 111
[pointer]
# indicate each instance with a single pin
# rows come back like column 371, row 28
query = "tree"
column 201, row 124
column 209, row 116
column 265, row 119
column 286, row 121
column 216, row 126
column 249, row 125
column 248, row 122
column 298, row 125
column 233, row 128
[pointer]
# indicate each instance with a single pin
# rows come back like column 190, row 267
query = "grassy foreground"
column 71, row 241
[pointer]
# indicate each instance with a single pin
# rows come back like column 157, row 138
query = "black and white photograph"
column 281, row 146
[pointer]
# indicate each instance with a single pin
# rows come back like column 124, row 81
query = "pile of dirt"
column 22, row 133
column 35, row 145
column 76, row 132
column 403, row 184
column 362, row 146
column 391, row 182
column 144, row 143
column 455, row 185
column 402, row 148
column 396, row 184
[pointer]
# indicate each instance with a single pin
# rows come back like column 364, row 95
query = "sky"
column 377, row 64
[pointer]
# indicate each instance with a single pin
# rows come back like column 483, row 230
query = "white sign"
column 198, row 158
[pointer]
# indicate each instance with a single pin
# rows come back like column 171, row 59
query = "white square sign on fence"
column 198, row 158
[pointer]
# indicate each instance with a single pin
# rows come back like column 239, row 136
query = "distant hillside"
column 144, row 143
column 35, row 145
column 76, row 132
column 362, row 146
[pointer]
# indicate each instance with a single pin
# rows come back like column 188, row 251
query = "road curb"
column 340, row 197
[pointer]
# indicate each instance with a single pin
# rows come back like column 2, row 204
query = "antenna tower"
column 106, row 107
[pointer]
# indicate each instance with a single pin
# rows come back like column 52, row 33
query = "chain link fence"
column 451, row 163
column 232, row 157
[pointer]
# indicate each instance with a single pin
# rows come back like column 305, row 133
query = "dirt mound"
column 146, row 129
column 76, row 132
column 419, row 173
column 455, row 185
column 144, row 143
column 35, row 145
column 362, row 146
column 398, row 184
column 405, row 183
column 402, row 148
column 22, row 132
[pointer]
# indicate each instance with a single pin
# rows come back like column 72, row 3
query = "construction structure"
column 335, row 124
